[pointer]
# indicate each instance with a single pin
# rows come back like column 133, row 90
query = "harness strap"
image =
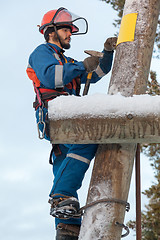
column 56, row 55
column 56, row 150
column 46, row 95
column 69, row 227
column 38, row 95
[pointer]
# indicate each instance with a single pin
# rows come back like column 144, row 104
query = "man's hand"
column 91, row 63
column 110, row 44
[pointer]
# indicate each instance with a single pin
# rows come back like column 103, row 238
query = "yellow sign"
column 127, row 28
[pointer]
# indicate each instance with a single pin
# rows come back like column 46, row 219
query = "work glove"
column 91, row 63
column 110, row 44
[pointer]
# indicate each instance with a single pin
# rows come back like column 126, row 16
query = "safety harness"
column 43, row 95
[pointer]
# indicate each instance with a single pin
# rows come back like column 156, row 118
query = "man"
column 53, row 74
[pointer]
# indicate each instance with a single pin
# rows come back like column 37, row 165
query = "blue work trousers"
column 69, row 169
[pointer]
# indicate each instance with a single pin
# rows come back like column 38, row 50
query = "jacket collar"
column 59, row 50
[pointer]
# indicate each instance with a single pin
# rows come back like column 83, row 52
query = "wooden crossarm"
column 127, row 129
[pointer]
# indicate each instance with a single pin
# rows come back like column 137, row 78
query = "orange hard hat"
column 61, row 17
column 47, row 18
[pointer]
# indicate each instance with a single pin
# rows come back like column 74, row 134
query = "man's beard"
column 62, row 42
column 64, row 45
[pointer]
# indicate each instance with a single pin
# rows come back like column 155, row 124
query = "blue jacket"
column 52, row 74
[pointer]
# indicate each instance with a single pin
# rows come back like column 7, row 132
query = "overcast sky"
column 25, row 175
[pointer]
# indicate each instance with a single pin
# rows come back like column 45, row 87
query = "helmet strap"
column 55, row 29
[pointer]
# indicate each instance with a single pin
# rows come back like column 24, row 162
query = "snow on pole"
column 104, row 118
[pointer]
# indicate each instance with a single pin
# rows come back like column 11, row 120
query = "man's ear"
column 51, row 34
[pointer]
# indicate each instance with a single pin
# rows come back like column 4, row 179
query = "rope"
column 106, row 200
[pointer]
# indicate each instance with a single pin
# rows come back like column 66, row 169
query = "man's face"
column 65, row 37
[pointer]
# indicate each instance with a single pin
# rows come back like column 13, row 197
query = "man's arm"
column 102, row 68
column 100, row 65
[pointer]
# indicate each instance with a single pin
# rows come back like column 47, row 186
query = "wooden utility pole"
column 114, row 163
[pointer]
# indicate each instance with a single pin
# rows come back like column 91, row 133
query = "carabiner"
column 41, row 121
column 41, row 134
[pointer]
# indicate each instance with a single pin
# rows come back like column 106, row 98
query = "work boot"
column 67, row 232
column 64, row 208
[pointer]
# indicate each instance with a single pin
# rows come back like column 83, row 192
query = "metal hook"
column 41, row 134
column 125, row 227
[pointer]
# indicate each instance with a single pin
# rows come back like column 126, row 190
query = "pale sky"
column 25, row 175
